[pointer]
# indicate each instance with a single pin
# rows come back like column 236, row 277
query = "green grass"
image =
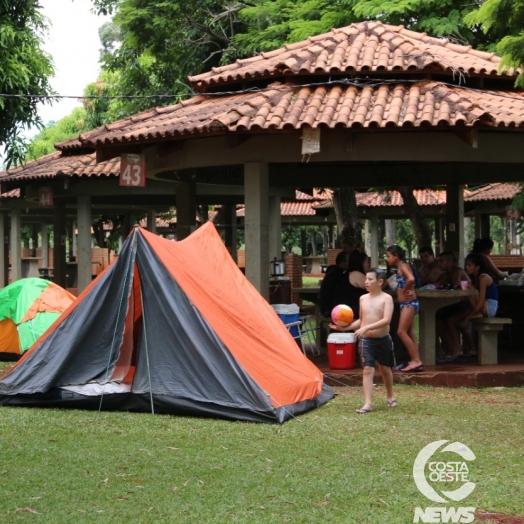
column 311, row 281
column 330, row 465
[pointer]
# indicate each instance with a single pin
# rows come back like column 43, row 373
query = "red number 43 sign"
column 132, row 170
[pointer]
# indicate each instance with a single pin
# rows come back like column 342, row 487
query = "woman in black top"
column 352, row 286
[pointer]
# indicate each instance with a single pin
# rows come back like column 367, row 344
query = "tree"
column 44, row 142
column 155, row 45
column 503, row 21
column 24, row 70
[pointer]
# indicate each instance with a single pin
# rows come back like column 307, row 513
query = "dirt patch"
column 498, row 518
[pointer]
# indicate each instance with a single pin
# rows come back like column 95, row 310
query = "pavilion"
column 368, row 105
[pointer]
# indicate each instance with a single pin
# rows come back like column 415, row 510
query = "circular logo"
column 443, row 471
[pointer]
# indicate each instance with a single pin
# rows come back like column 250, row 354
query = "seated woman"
column 484, row 304
column 483, row 247
column 352, row 288
column 335, row 278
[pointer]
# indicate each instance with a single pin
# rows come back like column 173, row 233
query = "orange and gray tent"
column 28, row 307
column 170, row 327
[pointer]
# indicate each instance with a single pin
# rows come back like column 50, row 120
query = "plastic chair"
column 309, row 334
column 296, row 334
column 303, row 334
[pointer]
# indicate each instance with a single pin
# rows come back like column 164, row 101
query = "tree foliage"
column 44, row 142
column 24, row 69
column 503, row 21
column 157, row 44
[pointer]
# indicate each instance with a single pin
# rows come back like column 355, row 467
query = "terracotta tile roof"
column 14, row 193
column 425, row 197
column 363, row 47
column 286, row 106
column 55, row 164
column 497, row 191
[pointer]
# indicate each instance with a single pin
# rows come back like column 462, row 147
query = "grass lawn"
column 330, row 465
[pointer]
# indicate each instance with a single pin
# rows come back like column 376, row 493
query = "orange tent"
column 172, row 327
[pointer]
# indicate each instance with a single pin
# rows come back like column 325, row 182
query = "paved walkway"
column 509, row 373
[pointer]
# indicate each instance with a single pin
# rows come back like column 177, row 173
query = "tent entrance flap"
column 125, row 366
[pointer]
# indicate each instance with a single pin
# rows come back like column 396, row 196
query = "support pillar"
column 59, row 244
column 230, row 217
column 374, row 241
column 256, row 186
column 151, row 220
column 84, row 242
column 45, row 245
column 185, row 209
column 275, row 228
column 16, row 244
column 4, row 251
column 455, row 220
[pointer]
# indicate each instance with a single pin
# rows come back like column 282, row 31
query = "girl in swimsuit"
column 409, row 306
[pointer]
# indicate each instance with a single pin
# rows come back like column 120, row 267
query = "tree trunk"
column 391, row 231
column 313, row 240
column 416, row 215
column 345, row 204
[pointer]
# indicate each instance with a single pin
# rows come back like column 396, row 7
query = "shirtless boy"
column 374, row 341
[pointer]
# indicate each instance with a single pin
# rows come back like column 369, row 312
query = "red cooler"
column 342, row 350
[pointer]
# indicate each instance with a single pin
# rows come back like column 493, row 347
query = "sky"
column 73, row 43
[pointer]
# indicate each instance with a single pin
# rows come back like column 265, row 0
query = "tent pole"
column 147, row 354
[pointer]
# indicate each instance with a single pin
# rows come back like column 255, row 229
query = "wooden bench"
column 488, row 329
column 509, row 263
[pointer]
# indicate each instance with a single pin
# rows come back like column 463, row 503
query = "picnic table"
column 430, row 301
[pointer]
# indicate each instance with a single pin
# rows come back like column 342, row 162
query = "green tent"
column 27, row 308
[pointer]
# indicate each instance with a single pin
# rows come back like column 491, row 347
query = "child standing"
column 374, row 341
column 409, row 306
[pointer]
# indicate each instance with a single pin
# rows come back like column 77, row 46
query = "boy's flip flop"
column 412, row 369
column 363, row 411
column 392, row 403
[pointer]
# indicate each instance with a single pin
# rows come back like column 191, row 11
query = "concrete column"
column 45, row 245
column 74, row 242
column 374, row 241
column 455, row 220
column 367, row 245
column 59, row 244
column 230, row 229
column 484, row 226
column 256, row 186
column 4, row 250
column 151, row 220
column 16, row 244
column 84, row 242
column 275, row 228
column 185, row 209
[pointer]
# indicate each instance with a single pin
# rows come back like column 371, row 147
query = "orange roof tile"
column 286, row 106
column 497, row 191
column 362, row 47
column 425, row 197
column 14, row 193
column 55, row 164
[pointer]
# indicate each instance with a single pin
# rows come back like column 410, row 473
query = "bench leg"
column 488, row 346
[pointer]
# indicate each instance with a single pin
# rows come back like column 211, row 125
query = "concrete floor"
column 508, row 373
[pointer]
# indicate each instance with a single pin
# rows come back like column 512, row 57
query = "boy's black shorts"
column 373, row 350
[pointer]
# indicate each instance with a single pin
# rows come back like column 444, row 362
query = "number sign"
column 45, row 197
column 132, row 170
column 512, row 214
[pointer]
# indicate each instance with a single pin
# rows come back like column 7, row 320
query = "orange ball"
column 342, row 315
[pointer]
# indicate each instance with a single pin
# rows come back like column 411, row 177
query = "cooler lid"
column 341, row 338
